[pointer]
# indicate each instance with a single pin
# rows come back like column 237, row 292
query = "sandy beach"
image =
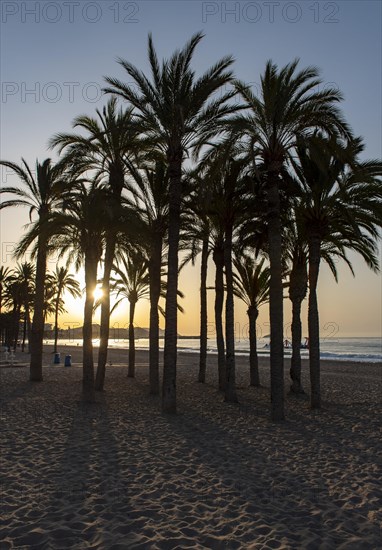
column 119, row 474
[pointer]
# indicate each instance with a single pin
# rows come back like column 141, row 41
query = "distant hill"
column 116, row 333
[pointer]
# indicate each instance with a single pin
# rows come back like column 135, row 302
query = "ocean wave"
column 360, row 357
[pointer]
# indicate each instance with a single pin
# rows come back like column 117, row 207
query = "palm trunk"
column 56, row 323
column 17, row 327
column 24, row 332
column 218, row 258
column 275, row 299
column 29, row 330
column 313, row 323
column 131, row 368
column 105, row 314
column 14, row 327
column 155, row 283
column 37, row 332
column 295, row 368
column 297, row 291
column 88, row 363
column 203, row 311
column 254, row 375
column 230, row 387
column 170, row 345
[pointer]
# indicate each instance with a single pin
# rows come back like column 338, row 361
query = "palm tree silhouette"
column 24, row 275
column 177, row 112
column 5, row 274
column 131, row 282
column 108, row 149
column 251, row 285
column 342, row 209
column 40, row 192
column 79, row 232
column 149, row 195
column 290, row 104
column 61, row 281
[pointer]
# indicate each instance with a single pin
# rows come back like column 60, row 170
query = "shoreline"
column 120, row 356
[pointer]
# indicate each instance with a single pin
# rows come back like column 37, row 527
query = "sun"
column 98, row 293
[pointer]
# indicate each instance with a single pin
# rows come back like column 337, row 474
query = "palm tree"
column 218, row 258
column 24, row 275
column 42, row 193
column 195, row 237
column 149, row 195
column 251, row 285
column 13, row 296
column 62, row 281
column 296, row 248
column 342, row 208
column 226, row 174
column 177, row 112
column 5, row 274
column 290, row 105
column 296, row 253
column 132, row 283
column 5, row 279
column 79, row 232
column 109, row 149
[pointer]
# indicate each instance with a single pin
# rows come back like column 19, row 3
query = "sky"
column 54, row 56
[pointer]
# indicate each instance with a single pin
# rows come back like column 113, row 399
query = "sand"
column 119, row 474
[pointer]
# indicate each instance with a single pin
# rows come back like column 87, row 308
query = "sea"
column 336, row 349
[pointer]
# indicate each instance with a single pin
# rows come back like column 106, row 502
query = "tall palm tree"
column 251, row 285
column 61, row 281
column 342, row 206
column 177, row 112
column 40, row 192
column 108, row 148
column 291, row 103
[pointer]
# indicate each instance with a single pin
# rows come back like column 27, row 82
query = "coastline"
column 120, row 474
column 119, row 355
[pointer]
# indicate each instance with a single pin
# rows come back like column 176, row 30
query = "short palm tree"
column 177, row 111
column 62, row 281
column 40, row 192
column 13, row 299
column 291, row 103
column 251, row 285
column 131, row 282
column 24, row 274
column 5, row 274
column 195, row 237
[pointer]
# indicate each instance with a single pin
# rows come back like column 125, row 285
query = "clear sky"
column 54, row 56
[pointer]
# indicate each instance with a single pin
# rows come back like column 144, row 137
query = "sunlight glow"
column 98, row 293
